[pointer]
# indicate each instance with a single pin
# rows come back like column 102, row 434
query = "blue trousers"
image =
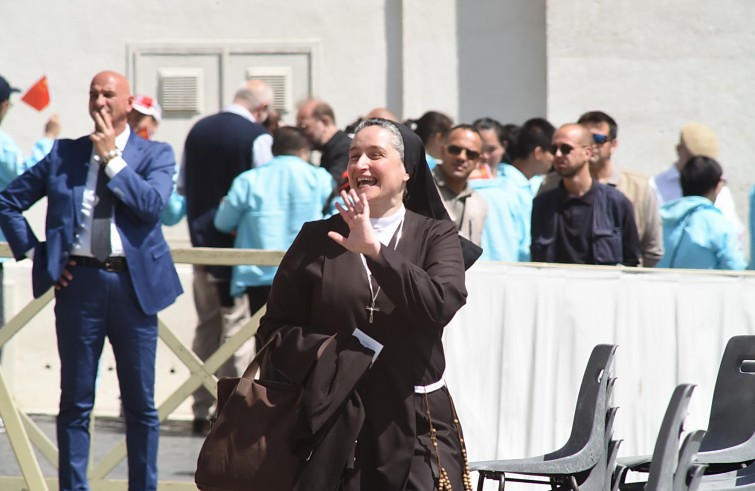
column 98, row 304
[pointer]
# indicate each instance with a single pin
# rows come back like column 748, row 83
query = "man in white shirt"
column 218, row 148
column 695, row 140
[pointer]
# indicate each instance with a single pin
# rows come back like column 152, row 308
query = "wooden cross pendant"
column 372, row 310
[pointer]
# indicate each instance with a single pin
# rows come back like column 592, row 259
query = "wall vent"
column 279, row 78
column 180, row 90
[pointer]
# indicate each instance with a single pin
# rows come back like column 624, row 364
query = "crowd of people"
column 388, row 199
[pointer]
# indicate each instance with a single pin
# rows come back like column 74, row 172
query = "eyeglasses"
column 600, row 138
column 456, row 150
column 564, row 147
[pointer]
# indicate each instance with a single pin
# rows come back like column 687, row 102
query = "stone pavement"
column 176, row 459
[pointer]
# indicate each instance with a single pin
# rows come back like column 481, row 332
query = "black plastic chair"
column 672, row 469
column 730, row 437
column 739, row 480
column 582, row 462
column 729, row 442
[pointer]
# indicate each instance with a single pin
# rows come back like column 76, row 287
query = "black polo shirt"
column 574, row 230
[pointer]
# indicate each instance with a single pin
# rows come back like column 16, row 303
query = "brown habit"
column 323, row 289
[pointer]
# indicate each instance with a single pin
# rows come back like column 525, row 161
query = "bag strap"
column 251, row 370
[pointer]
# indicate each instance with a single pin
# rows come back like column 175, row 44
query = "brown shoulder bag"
column 249, row 447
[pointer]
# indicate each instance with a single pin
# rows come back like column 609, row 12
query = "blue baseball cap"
column 6, row 90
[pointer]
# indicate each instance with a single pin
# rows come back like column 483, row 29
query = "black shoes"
column 200, row 426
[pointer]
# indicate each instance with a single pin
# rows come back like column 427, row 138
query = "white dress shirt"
column 83, row 240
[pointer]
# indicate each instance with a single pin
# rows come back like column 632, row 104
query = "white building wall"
column 73, row 40
column 655, row 66
column 430, row 63
column 502, row 59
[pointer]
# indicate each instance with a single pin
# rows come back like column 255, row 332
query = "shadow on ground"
column 176, row 460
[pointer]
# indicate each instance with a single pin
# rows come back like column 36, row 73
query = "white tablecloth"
column 517, row 351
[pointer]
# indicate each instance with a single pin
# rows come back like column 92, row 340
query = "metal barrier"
column 23, row 432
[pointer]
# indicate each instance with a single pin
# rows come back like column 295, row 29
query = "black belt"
column 114, row 264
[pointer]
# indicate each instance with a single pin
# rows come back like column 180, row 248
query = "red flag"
column 38, row 96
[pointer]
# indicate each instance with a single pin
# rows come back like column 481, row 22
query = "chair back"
column 587, row 438
column 732, row 412
column 665, row 454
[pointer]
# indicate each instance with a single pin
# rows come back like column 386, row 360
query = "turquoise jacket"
column 266, row 206
column 13, row 162
column 175, row 209
column 432, row 162
column 506, row 234
column 696, row 235
column 507, row 171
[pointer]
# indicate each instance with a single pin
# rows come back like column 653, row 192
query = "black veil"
column 422, row 194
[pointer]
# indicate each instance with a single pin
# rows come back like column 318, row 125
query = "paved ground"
column 177, row 455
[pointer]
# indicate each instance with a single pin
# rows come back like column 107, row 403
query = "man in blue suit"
column 110, row 265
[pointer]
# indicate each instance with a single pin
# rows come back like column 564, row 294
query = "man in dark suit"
column 110, row 265
column 218, row 148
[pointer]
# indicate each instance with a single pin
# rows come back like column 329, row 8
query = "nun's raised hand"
column 355, row 211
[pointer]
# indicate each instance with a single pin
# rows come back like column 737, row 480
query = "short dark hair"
column 535, row 132
column 484, row 124
column 509, row 133
column 466, row 127
column 289, row 140
column 699, row 176
column 596, row 117
column 504, row 132
column 430, row 123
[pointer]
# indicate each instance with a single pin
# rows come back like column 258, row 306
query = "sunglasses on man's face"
column 456, row 150
column 564, row 147
column 600, row 138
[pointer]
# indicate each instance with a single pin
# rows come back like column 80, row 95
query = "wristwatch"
column 112, row 154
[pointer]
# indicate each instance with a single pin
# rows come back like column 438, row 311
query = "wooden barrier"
column 24, row 434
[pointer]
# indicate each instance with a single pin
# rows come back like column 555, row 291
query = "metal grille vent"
column 279, row 78
column 180, row 89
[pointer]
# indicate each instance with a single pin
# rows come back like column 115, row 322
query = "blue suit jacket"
column 141, row 190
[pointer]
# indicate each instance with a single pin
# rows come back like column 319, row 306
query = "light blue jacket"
column 267, row 206
column 506, row 234
column 175, row 209
column 13, row 162
column 506, row 171
column 696, row 235
column 432, row 162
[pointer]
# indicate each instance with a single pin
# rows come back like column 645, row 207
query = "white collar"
column 385, row 227
column 122, row 139
column 239, row 110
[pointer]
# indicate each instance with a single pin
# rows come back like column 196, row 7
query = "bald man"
column 103, row 255
column 381, row 112
column 318, row 121
column 582, row 221
column 218, row 148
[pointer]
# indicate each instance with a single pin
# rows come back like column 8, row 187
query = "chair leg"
column 480, row 481
column 619, row 475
